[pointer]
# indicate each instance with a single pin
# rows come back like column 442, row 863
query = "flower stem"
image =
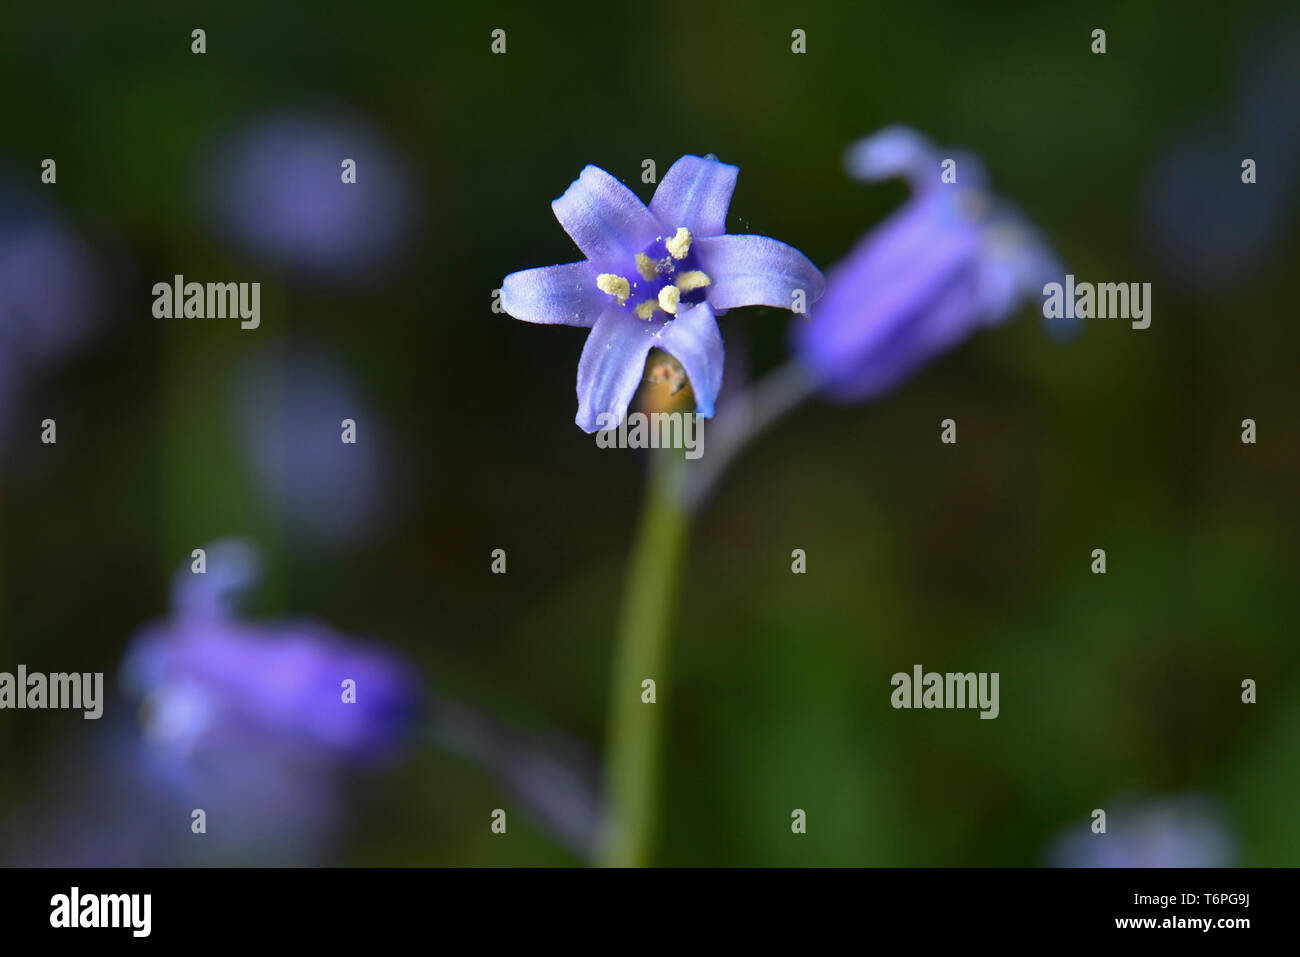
column 739, row 422
column 641, row 652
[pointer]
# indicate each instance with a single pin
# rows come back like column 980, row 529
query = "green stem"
column 641, row 652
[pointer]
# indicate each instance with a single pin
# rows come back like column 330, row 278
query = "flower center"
column 666, row 277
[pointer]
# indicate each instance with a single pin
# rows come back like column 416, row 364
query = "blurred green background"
column 973, row 557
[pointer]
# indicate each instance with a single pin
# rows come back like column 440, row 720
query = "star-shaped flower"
column 655, row 277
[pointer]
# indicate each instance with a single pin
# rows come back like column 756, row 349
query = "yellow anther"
column 668, row 299
column 680, row 244
column 615, row 285
column 646, row 267
column 644, row 310
column 693, row 279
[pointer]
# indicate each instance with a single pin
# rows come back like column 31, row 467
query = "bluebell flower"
column 655, row 277
column 287, row 409
column 952, row 259
column 1205, row 227
column 1183, row 831
column 207, row 679
column 111, row 797
column 51, row 286
column 276, row 189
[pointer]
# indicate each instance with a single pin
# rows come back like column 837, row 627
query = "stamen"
column 693, row 279
column 680, row 244
column 615, row 285
column 644, row 310
column 646, row 267
column 669, row 296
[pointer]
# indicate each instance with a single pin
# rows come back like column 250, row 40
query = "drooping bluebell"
column 952, row 259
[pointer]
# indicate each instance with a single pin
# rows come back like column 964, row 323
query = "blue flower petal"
column 611, row 368
column 605, row 218
column 554, row 295
column 903, row 153
column 929, row 331
column 895, row 151
column 1015, row 264
column 695, row 193
column 757, row 271
column 693, row 340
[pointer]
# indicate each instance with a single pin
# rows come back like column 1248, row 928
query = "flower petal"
column 895, row 151
column 902, row 152
column 912, row 344
column 564, row 295
column 693, row 340
column 695, row 193
column 604, row 217
column 611, row 368
column 883, row 292
column 757, row 271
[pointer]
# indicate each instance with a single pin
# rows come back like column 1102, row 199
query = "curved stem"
column 557, row 786
column 641, row 652
column 737, row 424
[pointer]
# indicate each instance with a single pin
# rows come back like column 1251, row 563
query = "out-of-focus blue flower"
column 276, row 189
column 206, row 679
column 50, row 288
column 1268, row 97
column 112, row 798
column 287, row 411
column 1207, row 229
column 655, row 278
column 953, row 259
column 1177, row 832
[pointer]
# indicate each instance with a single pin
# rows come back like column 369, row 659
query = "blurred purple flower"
column 276, row 189
column 50, row 288
column 1207, row 228
column 953, row 259
column 654, row 278
column 111, row 798
column 287, row 413
column 207, row 679
column 1177, row 832
column 1268, row 100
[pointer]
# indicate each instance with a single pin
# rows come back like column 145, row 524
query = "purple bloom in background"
column 112, row 798
column 1177, row 832
column 245, row 722
column 287, row 410
column 50, row 289
column 209, row 680
column 276, row 188
column 952, row 259
column 1206, row 227
column 655, row 278
column 1268, row 100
